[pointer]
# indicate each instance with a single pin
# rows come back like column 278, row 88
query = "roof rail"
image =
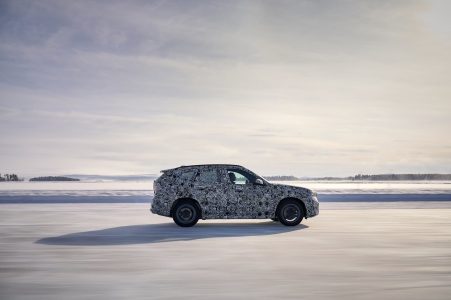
column 200, row 165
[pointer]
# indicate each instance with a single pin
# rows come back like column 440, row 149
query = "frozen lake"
column 121, row 251
column 416, row 193
column 144, row 188
column 51, row 232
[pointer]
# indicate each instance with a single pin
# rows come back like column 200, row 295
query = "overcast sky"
column 306, row 88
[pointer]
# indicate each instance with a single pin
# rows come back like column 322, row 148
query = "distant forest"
column 362, row 177
column 9, row 177
column 54, row 178
column 281, row 178
column 402, row 177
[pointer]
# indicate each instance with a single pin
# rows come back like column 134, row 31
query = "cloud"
column 289, row 87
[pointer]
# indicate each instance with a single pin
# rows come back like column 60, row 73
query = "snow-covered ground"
column 376, row 187
column 371, row 239
column 121, row 251
column 82, row 186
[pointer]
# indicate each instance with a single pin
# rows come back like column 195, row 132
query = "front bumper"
column 313, row 209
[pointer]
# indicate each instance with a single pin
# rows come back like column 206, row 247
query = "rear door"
column 208, row 190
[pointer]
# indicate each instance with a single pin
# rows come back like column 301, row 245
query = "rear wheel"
column 290, row 213
column 185, row 214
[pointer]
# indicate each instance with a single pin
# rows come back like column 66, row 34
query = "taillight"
column 154, row 188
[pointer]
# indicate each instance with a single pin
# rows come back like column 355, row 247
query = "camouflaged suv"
column 190, row 193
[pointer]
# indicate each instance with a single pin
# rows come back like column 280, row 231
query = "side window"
column 207, row 177
column 187, row 176
column 239, row 177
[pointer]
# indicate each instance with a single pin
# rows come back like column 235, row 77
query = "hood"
column 291, row 188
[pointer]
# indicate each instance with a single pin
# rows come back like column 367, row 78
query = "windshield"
column 244, row 176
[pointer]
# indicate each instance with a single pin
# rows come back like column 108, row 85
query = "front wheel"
column 290, row 213
column 185, row 214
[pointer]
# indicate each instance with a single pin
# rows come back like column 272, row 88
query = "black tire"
column 290, row 213
column 275, row 219
column 185, row 214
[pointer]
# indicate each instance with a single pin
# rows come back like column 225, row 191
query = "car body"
column 223, row 191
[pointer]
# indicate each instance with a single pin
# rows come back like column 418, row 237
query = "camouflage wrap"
column 219, row 198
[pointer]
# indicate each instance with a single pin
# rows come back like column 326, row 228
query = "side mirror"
column 259, row 181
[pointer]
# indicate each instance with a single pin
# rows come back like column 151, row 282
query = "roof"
column 204, row 165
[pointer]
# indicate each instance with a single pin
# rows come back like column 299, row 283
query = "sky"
column 304, row 88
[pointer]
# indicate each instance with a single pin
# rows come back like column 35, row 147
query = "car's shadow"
column 166, row 232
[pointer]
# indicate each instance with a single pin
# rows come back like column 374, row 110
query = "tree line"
column 9, row 177
column 53, row 178
column 401, row 177
column 389, row 177
column 367, row 177
column 281, row 178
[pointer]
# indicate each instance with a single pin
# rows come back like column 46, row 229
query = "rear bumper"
column 160, row 207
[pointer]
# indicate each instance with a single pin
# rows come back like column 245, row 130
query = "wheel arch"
column 186, row 199
column 295, row 199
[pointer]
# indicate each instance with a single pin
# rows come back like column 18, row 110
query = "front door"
column 246, row 197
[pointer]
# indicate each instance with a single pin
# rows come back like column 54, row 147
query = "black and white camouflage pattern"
column 219, row 198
